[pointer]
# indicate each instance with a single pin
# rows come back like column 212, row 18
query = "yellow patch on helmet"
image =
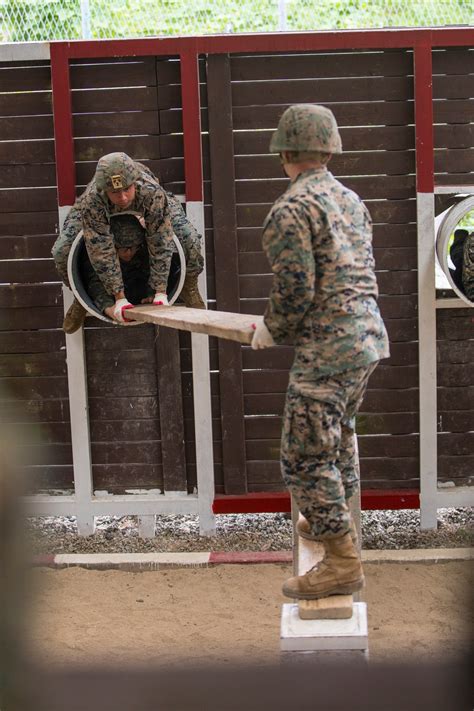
column 117, row 182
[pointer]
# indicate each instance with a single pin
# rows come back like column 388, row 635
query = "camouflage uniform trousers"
column 319, row 463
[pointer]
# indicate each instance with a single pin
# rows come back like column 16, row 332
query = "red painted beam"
column 279, row 502
column 63, row 133
column 282, row 42
column 191, row 126
column 424, row 134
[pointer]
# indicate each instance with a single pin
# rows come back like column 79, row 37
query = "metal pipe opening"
column 78, row 258
column 445, row 227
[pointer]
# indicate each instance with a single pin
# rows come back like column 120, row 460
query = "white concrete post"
column 202, row 398
column 427, row 360
column 81, row 447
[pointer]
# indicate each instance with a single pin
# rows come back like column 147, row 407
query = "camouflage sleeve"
column 61, row 248
column 159, row 237
column 187, row 234
column 288, row 246
column 100, row 245
column 468, row 267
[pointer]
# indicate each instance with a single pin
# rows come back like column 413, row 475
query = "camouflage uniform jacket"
column 151, row 202
column 186, row 233
column 468, row 267
column 318, row 239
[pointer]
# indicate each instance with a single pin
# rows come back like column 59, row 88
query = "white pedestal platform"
column 297, row 635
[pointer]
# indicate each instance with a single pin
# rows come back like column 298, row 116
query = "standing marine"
column 323, row 301
column 122, row 184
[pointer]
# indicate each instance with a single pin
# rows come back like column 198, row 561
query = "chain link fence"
column 42, row 20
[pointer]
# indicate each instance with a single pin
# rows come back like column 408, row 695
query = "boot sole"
column 346, row 589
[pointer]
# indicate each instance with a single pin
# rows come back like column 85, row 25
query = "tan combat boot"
column 303, row 529
column 74, row 317
column 190, row 293
column 339, row 573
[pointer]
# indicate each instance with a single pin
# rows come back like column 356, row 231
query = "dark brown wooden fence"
column 139, row 380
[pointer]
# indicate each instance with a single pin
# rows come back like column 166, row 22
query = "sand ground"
column 228, row 613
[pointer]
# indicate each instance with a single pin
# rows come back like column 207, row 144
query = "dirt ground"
column 224, row 614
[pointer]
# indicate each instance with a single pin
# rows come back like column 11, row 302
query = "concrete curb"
column 138, row 562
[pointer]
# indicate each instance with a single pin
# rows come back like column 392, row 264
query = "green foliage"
column 30, row 20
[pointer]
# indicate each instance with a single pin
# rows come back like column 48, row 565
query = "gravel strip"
column 243, row 532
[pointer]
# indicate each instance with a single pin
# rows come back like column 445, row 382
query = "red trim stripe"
column 279, row 502
column 243, row 558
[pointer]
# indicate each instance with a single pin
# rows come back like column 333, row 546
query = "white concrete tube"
column 445, row 224
column 79, row 291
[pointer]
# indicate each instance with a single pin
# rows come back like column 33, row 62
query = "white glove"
column 121, row 305
column 160, row 299
column 262, row 338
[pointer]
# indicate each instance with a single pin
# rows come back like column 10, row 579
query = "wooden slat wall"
column 453, row 89
column 453, row 92
column 135, row 105
column 137, row 421
column 371, row 95
column 33, row 377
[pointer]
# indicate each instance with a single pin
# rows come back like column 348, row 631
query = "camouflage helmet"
column 115, row 171
column 305, row 128
column 128, row 229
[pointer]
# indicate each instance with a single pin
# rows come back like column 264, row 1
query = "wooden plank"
column 117, row 478
column 31, row 318
column 25, row 104
column 462, row 137
column 453, row 60
column 112, row 408
column 118, row 124
column 113, row 100
column 387, row 138
column 327, row 64
column 377, row 163
column 30, row 295
column 385, row 236
column 363, row 113
column 36, row 200
column 32, row 364
column 171, row 410
column 391, row 187
column 137, row 146
column 453, row 87
column 454, row 111
column 232, row 326
column 35, row 410
column 226, row 269
column 26, row 127
column 295, row 91
column 32, row 78
column 31, row 341
column 129, row 429
column 400, row 211
column 258, row 284
column 113, row 72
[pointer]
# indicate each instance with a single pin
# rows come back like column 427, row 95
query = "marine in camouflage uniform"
column 162, row 214
column 318, row 240
column 468, row 267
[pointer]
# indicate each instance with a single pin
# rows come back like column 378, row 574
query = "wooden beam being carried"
column 223, row 324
